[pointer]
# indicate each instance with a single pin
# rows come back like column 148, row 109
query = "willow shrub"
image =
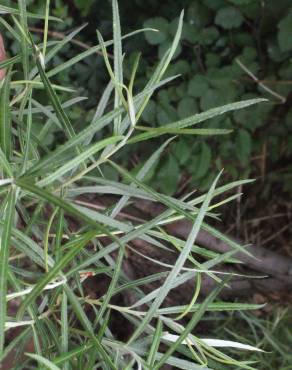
column 44, row 263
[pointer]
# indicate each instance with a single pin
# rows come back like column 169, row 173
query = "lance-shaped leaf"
column 5, row 116
column 4, row 254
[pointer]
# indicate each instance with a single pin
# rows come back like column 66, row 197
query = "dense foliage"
column 230, row 50
column 52, row 241
column 59, row 146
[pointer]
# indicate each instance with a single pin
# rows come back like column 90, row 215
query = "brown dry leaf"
column 2, row 57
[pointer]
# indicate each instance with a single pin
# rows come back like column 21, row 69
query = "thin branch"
column 263, row 86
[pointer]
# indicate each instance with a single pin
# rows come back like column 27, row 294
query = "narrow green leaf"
column 81, row 158
column 118, row 61
column 133, row 73
column 28, row 136
column 190, row 326
column 140, row 176
column 159, row 71
column 4, row 255
column 10, row 61
column 59, row 202
column 75, row 247
column 9, row 10
column 45, row 195
column 24, row 44
column 5, row 165
column 61, row 114
column 50, row 159
column 176, row 205
column 46, row 27
column 218, row 306
column 178, row 265
column 214, row 112
column 59, row 235
column 64, row 328
column 155, row 345
column 11, row 30
column 88, row 132
column 46, row 237
column 151, row 133
column 103, row 102
column 118, row 87
column 43, row 361
column 60, row 44
column 16, row 342
column 94, row 49
column 88, row 327
column 112, row 286
column 178, row 126
column 5, row 117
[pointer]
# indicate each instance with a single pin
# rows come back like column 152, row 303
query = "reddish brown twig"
column 263, row 260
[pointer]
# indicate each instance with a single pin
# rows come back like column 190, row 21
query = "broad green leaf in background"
column 168, row 175
column 208, row 35
column 161, row 25
column 198, row 86
column 201, row 162
column 285, row 32
column 181, row 150
column 187, row 107
column 243, row 145
column 229, row 17
column 199, row 15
